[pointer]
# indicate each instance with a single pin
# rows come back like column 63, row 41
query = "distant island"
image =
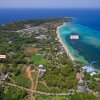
column 35, row 64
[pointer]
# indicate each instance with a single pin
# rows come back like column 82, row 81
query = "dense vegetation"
column 18, row 25
column 23, row 49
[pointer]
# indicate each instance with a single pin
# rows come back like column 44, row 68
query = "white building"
column 41, row 66
column 87, row 69
column 41, row 70
column 93, row 73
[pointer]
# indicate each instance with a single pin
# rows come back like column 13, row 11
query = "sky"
column 49, row 3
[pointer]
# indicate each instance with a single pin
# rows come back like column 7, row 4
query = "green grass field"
column 38, row 59
column 51, row 98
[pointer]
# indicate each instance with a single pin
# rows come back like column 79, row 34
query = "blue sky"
column 49, row 3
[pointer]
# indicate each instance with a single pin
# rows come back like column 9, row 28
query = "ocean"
column 86, row 23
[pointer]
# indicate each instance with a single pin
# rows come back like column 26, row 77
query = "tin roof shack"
column 83, row 88
column 3, row 77
column 41, row 37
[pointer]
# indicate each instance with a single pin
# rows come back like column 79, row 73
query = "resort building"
column 87, row 69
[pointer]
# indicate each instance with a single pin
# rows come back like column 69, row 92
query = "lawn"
column 38, row 59
column 51, row 98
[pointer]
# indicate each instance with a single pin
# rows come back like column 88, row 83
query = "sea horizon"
column 17, row 14
column 50, row 50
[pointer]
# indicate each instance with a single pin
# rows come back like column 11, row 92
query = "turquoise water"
column 87, row 47
column 86, row 22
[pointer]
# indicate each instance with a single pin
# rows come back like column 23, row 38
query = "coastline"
column 65, row 47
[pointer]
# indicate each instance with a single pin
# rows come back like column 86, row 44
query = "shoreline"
column 67, row 49
column 64, row 46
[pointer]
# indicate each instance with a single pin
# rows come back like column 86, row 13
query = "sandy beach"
column 65, row 47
